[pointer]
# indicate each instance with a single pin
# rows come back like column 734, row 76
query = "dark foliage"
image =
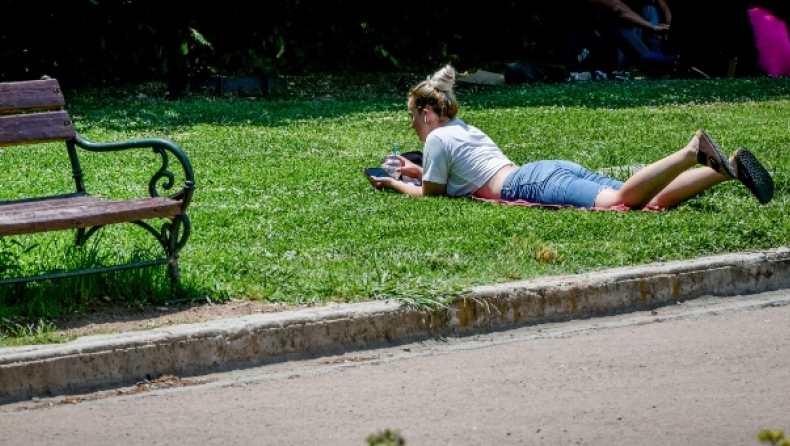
column 108, row 41
column 100, row 42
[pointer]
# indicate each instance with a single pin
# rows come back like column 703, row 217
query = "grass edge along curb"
column 95, row 362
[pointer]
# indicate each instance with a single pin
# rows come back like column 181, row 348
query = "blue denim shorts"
column 556, row 182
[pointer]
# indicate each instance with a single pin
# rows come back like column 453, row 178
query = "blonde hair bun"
column 436, row 93
column 444, row 79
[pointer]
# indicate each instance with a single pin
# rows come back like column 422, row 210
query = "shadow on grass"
column 33, row 312
column 96, row 109
column 29, row 311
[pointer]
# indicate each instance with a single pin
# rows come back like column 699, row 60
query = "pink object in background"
column 772, row 42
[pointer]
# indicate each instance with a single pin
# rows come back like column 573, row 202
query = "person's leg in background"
column 632, row 42
column 650, row 13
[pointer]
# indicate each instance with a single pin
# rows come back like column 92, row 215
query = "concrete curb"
column 95, row 362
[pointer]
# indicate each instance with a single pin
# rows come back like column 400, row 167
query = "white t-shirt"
column 461, row 157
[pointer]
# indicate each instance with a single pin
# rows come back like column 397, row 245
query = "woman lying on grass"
column 460, row 160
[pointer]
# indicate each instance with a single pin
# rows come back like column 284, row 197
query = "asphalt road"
column 709, row 371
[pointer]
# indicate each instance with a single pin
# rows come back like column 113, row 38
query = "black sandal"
column 754, row 176
column 709, row 154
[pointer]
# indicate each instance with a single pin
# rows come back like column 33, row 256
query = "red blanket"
column 619, row 208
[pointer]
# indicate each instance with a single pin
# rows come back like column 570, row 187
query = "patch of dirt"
column 323, row 86
column 306, row 86
column 359, row 85
column 163, row 382
column 329, row 86
column 120, row 320
column 345, row 359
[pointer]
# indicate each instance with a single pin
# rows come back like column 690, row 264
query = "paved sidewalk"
column 711, row 371
column 96, row 362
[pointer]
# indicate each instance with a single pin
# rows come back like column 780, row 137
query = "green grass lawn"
column 283, row 213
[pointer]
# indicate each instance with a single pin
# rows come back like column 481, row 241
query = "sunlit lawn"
column 283, row 213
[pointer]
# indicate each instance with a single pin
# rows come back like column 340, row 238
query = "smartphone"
column 376, row 172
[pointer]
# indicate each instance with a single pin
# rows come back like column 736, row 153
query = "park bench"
column 31, row 112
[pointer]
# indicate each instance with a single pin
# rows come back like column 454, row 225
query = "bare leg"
column 687, row 185
column 648, row 183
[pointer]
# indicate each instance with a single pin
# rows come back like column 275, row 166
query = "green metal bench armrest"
column 161, row 147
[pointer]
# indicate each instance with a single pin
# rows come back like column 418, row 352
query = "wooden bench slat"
column 31, row 95
column 35, row 127
column 81, row 212
column 52, row 201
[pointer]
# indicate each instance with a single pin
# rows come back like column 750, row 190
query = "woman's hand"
column 661, row 30
column 401, row 165
column 381, row 182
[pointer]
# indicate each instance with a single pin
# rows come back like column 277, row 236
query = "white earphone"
column 425, row 119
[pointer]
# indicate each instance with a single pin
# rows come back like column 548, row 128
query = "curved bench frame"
column 34, row 121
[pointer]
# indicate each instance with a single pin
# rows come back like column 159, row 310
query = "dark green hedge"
column 96, row 42
column 109, row 41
